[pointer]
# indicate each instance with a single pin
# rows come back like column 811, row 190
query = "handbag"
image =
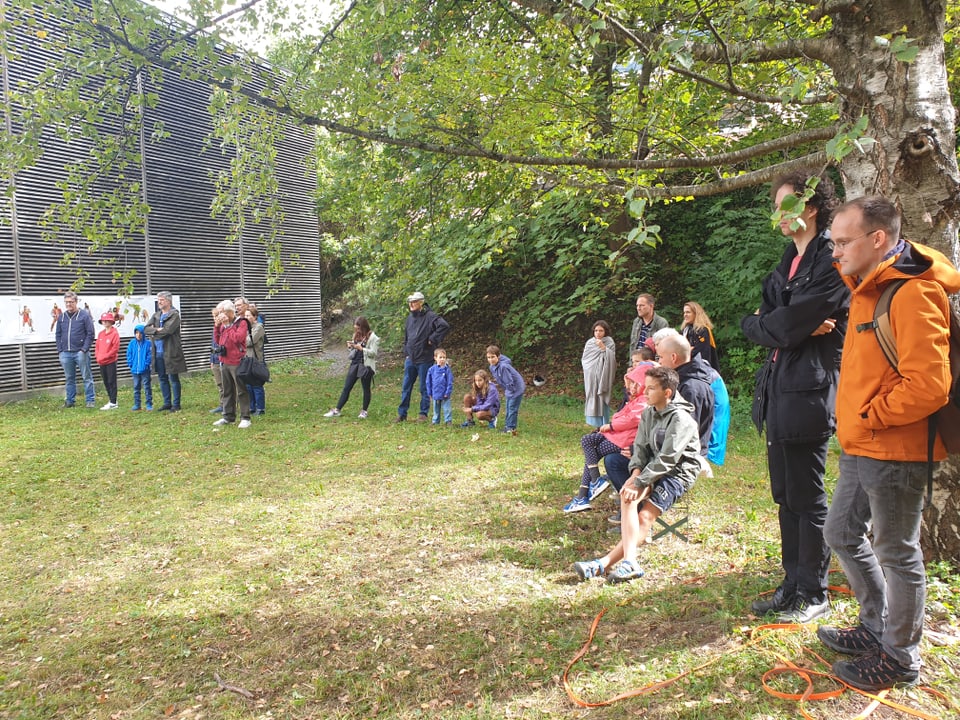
column 253, row 371
column 364, row 371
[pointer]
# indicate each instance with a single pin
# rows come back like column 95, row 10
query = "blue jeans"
column 70, row 361
column 443, row 405
column 617, row 468
column 887, row 575
column 257, row 398
column 168, row 381
column 513, row 410
column 411, row 371
column 142, row 381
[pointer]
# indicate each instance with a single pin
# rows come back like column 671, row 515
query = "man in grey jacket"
column 75, row 335
column 665, row 464
column 645, row 324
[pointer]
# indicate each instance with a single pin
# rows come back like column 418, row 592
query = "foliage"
column 356, row 569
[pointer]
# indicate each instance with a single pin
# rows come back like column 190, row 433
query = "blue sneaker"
column 598, row 486
column 625, row 572
column 587, row 569
column 149, row 406
column 577, row 505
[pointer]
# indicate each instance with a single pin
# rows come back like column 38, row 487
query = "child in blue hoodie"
column 139, row 355
column 511, row 382
column 440, row 387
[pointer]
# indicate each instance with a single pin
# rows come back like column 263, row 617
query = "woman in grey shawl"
column 599, row 362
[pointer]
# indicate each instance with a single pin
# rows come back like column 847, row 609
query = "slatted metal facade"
column 182, row 248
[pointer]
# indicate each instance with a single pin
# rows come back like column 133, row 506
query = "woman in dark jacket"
column 802, row 319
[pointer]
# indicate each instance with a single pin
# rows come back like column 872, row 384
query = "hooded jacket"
column 667, row 444
column 439, row 382
column 139, row 353
column 423, row 333
column 882, row 414
column 507, row 377
column 75, row 333
column 796, row 387
column 695, row 379
column 107, row 346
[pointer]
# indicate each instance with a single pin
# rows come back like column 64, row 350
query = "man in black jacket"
column 695, row 378
column 423, row 333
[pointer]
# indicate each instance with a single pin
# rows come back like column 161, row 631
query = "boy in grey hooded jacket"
column 665, row 464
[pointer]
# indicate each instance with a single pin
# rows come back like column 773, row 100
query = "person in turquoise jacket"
column 139, row 357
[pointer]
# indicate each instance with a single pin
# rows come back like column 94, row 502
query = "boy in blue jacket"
column 511, row 382
column 139, row 356
column 440, row 387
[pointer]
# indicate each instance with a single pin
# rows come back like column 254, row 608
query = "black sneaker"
column 781, row 601
column 849, row 641
column 804, row 610
column 876, row 671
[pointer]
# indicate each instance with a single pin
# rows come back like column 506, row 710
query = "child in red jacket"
column 106, row 350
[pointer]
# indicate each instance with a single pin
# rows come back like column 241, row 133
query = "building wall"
column 182, row 248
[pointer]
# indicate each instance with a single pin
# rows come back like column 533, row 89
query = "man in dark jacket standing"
column 75, row 335
column 423, row 333
column 802, row 319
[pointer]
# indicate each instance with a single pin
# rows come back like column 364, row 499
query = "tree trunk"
column 913, row 162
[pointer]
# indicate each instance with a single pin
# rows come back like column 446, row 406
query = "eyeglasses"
column 841, row 245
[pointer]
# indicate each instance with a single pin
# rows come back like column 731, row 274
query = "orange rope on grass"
column 787, row 667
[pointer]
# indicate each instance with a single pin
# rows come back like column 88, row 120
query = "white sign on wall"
column 32, row 318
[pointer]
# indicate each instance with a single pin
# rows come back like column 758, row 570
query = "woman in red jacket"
column 231, row 338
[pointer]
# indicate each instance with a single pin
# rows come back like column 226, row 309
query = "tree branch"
column 286, row 110
column 817, row 160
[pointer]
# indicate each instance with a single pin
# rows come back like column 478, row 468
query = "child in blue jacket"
column 139, row 355
column 511, row 382
column 440, row 387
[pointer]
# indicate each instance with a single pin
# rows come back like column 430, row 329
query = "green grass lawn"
column 354, row 569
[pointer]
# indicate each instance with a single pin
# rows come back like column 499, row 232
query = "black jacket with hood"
column 695, row 379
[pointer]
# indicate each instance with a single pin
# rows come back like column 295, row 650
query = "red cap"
column 107, row 317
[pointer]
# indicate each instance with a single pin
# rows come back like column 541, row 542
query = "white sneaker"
column 332, row 413
column 110, row 406
column 244, row 424
column 221, row 422
column 362, row 415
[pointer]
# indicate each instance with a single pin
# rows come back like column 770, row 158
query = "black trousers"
column 348, row 384
column 109, row 374
column 796, row 483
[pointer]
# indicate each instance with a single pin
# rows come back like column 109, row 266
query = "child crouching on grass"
column 482, row 403
column 665, row 464
column 512, row 384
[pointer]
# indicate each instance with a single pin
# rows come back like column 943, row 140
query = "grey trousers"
column 886, row 575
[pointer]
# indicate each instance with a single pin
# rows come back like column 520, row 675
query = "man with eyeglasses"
column 873, row 525
column 75, row 334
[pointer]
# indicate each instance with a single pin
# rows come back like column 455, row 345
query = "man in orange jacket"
column 883, row 432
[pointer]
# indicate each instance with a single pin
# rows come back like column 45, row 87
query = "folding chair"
column 680, row 510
